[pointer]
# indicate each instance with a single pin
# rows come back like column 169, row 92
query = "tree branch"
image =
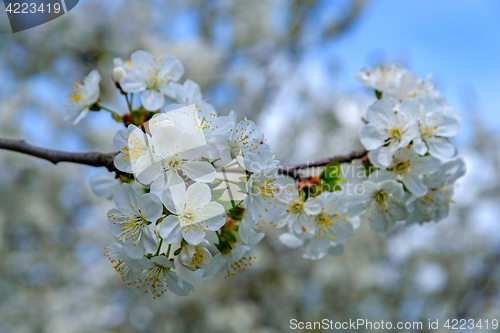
column 292, row 170
column 97, row 159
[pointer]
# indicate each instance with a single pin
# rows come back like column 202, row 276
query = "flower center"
column 396, row 134
column 187, row 217
column 173, row 163
column 325, row 226
column 136, row 148
column 267, row 189
column 427, row 132
column 296, row 208
column 76, row 93
column 198, row 257
column 402, row 167
column 381, row 197
column 154, row 82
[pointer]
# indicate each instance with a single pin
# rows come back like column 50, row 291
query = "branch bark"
column 97, row 159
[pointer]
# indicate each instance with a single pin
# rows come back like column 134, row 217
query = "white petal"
column 290, row 240
column 193, row 236
column 152, row 100
column 151, row 207
column 442, row 149
column 170, row 230
column 419, row 146
column 174, row 197
column 415, row 185
column 104, row 184
column 215, row 265
column 381, row 221
column 371, row 136
column 199, row 171
column 178, row 285
column 198, row 195
column 124, row 196
column 393, row 187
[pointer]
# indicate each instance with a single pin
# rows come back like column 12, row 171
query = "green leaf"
column 330, row 176
column 216, row 194
column 331, row 171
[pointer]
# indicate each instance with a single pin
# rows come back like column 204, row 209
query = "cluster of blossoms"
column 195, row 188
column 407, row 135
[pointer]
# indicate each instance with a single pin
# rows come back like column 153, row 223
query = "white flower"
column 261, row 189
column 383, row 201
column 390, row 128
column 103, row 184
column 245, row 143
column 436, row 125
column 176, row 152
column 411, row 86
column 129, row 269
column 292, row 210
column 333, row 228
column 435, row 205
column 195, row 257
column 198, row 119
column 134, row 151
column 83, row 96
column 192, row 213
column 154, row 77
column 234, row 261
column 381, row 78
column 130, row 222
column 406, row 166
column 158, row 277
column 188, row 93
column 249, row 228
column 310, row 247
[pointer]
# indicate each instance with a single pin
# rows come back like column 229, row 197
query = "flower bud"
column 118, row 73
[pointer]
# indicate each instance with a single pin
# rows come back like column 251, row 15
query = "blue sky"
column 457, row 41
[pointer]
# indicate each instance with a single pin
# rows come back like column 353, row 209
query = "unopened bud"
column 118, row 73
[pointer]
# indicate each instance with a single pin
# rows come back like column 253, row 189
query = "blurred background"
column 287, row 64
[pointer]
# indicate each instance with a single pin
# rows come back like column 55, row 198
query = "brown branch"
column 95, row 159
column 292, row 170
column 106, row 160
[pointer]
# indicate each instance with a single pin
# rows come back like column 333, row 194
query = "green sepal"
column 117, row 117
column 95, row 107
column 236, row 213
column 379, row 94
column 178, row 251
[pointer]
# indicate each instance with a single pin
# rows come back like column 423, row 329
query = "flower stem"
column 115, row 114
column 168, row 250
column 129, row 104
column 227, row 166
column 159, row 247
